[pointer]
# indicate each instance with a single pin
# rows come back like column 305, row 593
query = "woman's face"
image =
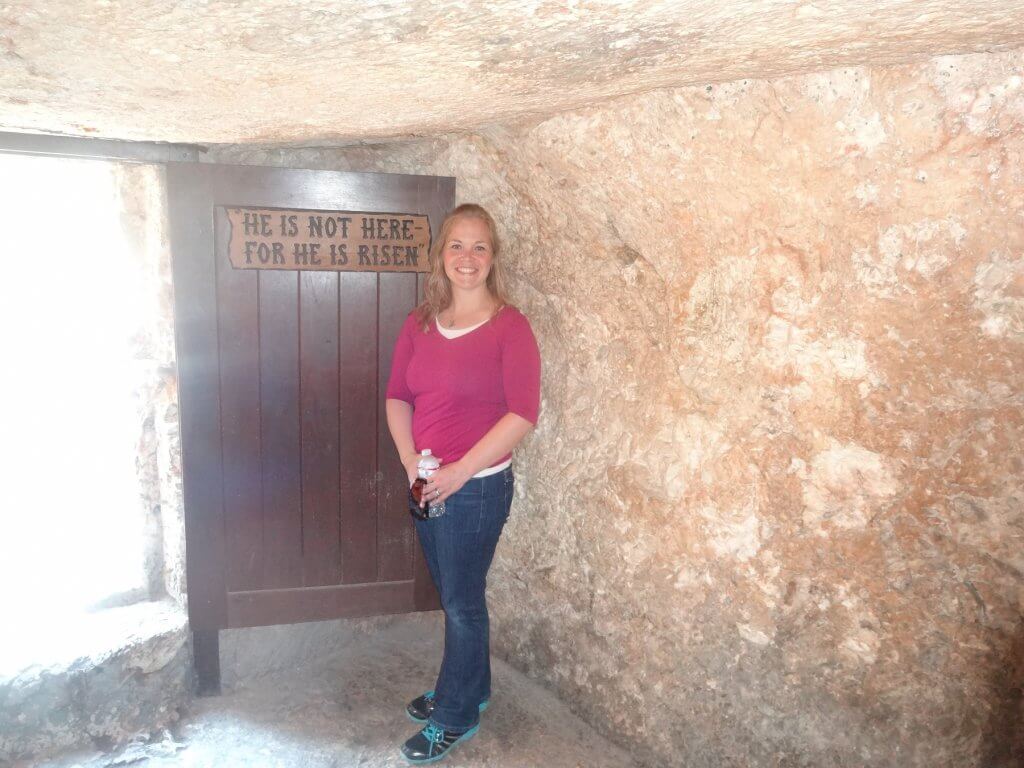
column 468, row 253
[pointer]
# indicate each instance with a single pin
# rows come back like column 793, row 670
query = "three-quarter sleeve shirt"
column 461, row 387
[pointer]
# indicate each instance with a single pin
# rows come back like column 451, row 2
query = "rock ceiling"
column 326, row 73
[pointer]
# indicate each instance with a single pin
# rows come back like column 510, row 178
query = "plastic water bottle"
column 427, row 466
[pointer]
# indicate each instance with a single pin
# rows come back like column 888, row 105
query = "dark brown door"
column 294, row 496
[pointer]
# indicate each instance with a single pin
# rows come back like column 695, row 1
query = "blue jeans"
column 459, row 547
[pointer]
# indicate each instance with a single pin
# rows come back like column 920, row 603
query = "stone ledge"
column 98, row 679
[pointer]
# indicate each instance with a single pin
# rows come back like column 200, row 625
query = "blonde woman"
column 465, row 383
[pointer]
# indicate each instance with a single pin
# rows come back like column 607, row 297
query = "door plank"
column 287, row 606
column 434, row 196
column 396, row 538
column 238, row 329
column 279, row 428
column 357, row 340
column 425, row 594
column 190, row 213
column 318, row 385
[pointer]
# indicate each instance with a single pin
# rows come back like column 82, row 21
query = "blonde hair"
column 437, row 293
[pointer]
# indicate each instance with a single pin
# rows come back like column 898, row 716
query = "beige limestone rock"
column 327, row 73
column 771, row 514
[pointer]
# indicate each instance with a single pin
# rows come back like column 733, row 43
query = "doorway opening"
column 84, row 345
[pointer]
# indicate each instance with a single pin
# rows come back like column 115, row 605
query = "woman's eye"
column 455, row 246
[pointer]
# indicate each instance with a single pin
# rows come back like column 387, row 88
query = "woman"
column 465, row 383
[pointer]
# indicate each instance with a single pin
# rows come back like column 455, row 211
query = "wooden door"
column 294, row 496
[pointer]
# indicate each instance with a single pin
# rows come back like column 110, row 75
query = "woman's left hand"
column 444, row 482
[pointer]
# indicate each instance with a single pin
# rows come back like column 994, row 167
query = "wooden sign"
column 341, row 241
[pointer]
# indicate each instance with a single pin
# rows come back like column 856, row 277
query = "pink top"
column 460, row 388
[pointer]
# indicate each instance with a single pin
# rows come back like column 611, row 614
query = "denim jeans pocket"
column 464, row 512
column 494, row 507
column 480, row 503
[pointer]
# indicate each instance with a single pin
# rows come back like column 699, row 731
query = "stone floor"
column 348, row 710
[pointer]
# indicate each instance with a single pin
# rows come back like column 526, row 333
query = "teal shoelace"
column 434, row 735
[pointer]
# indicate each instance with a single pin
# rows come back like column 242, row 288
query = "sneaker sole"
column 483, row 706
column 464, row 737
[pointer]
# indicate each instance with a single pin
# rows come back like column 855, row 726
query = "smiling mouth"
column 465, row 270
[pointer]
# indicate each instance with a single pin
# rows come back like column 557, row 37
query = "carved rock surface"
column 773, row 513
column 112, row 675
column 322, row 73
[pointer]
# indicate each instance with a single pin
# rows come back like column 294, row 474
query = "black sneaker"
column 433, row 743
column 421, row 708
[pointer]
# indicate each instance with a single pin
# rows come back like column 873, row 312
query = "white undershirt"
column 450, row 334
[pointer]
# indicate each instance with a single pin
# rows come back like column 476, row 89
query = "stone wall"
column 772, row 513
column 126, row 674
column 143, row 205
